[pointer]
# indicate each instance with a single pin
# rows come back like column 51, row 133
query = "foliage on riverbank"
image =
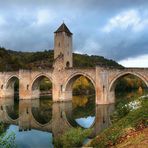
column 132, row 121
column 72, row 138
column 130, row 82
column 125, row 102
column 6, row 141
column 14, row 60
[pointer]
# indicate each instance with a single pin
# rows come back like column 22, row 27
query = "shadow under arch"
column 113, row 83
column 10, row 86
column 11, row 80
column 36, row 83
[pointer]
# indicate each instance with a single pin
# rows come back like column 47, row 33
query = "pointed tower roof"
column 63, row 28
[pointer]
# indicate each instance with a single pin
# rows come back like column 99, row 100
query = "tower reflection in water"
column 40, row 119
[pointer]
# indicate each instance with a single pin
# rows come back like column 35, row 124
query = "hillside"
column 14, row 60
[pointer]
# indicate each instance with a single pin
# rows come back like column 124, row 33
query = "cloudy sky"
column 115, row 29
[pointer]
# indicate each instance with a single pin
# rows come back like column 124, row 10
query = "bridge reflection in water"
column 55, row 118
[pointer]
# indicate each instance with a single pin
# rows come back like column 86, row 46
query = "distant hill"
column 13, row 60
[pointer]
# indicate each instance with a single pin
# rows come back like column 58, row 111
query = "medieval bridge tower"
column 63, row 74
column 63, row 46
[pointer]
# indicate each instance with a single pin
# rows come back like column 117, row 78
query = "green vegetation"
column 6, row 141
column 13, row 60
column 133, row 120
column 72, row 138
column 45, row 84
column 84, row 60
column 129, row 83
column 83, row 86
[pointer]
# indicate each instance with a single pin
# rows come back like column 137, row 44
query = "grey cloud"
column 78, row 3
column 83, row 17
column 118, row 46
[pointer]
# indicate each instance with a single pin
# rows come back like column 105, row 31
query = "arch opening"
column 42, row 87
column 12, row 97
column 82, row 91
column 12, row 88
column 42, row 91
column 128, row 86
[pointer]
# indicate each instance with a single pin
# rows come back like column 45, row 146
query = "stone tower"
column 63, row 46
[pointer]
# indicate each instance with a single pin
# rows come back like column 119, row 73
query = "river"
column 36, row 122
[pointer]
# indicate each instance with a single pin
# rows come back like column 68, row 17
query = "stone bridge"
column 63, row 74
column 103, row 79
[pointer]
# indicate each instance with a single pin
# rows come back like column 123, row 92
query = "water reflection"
column 85, row 122
column 83, row 111
column 43, row 112
column 31, row 139
column 41, row 118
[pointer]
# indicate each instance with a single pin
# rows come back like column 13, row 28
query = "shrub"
column 72, row 138
column 7, row 141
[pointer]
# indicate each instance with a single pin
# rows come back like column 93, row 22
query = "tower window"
column 67, row 64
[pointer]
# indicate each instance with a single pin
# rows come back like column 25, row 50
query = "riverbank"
column 120, row 131
column 137, row 139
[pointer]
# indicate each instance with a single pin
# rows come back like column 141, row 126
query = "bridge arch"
column 75, row 76
column 36, row 83
column 10, row 81
column 38, row 78
column 114, row 81
column 116, row 78
column 11, row 86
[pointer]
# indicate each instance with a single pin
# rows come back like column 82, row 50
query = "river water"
column 36, row 122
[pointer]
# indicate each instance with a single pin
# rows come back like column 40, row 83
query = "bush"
column 72, row 138
column 7, row 141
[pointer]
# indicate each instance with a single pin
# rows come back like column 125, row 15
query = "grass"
column 133, row 120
